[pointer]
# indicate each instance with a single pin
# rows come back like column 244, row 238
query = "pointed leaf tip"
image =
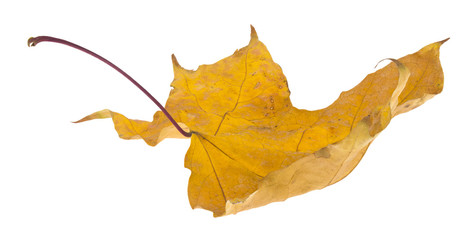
column 433, row 47
column 253, row 33
column 175, row 61
column 443, row 41
column 97, row 115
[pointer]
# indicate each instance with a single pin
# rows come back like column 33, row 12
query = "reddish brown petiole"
column 33, row 41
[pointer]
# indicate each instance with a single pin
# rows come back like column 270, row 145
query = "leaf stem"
column 33, row 41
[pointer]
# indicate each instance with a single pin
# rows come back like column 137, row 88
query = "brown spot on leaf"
column 256, row 85
column 323, row 153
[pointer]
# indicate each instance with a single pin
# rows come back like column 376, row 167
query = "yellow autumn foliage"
column 250, row 146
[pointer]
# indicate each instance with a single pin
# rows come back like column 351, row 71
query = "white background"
column 60, row 180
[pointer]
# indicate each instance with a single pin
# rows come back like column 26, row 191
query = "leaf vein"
column 238, row 97
column 214, row 170
column 415, row 86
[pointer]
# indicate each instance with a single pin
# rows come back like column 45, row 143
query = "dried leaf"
column 251, row 147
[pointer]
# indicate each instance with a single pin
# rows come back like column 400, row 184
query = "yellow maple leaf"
column 250, row 146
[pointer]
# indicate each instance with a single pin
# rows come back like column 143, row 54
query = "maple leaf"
column 250, row 146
